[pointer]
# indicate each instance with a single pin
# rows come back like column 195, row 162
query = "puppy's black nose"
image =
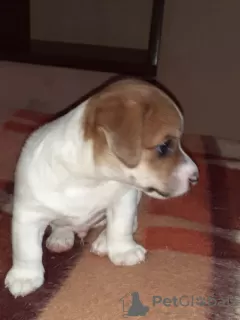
column 194, row 178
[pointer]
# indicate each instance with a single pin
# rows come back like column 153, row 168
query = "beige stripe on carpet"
column 94, row 287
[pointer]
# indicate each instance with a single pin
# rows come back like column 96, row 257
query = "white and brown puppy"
column 93, row 164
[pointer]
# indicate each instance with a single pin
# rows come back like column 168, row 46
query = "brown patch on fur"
column 162, row 168
column 127, row 117
column 162, row 124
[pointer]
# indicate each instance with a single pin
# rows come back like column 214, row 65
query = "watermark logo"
column 133, row 306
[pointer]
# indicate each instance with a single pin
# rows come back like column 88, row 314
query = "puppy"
column 90, row 167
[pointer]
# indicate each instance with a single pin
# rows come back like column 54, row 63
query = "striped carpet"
column 192, row 267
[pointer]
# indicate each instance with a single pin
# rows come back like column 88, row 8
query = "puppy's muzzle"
column 194, row 178
column 160, row 193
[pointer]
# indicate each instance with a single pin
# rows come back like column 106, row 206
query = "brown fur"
column 128, row 119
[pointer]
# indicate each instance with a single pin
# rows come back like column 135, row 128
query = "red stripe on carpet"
column 193, row 208
column 178, row 239
column 19, row 127
column 190, row 241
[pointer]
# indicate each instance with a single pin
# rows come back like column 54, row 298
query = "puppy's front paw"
column 99, row 246
column 127, row 254
column 60, row 240
column 21, row 282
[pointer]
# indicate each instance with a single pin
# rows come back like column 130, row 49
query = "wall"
column 200, row 63
column 101, row 22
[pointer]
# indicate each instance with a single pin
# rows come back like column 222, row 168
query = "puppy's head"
column 136, row 129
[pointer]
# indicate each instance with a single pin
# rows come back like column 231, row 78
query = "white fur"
column 57, row 183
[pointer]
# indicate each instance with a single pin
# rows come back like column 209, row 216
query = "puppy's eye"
column 164, row 148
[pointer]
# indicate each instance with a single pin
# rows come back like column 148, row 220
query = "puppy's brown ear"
column 121, row 120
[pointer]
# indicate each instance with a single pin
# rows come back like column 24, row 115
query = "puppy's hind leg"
column 61, row 239
column 99, row 246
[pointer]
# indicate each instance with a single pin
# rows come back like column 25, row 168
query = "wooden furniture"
column 16, row 45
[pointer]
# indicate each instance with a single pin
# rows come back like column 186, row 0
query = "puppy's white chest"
column 82, row 208
column 85, row 202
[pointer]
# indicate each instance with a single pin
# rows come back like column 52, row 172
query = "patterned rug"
column 192, row 269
